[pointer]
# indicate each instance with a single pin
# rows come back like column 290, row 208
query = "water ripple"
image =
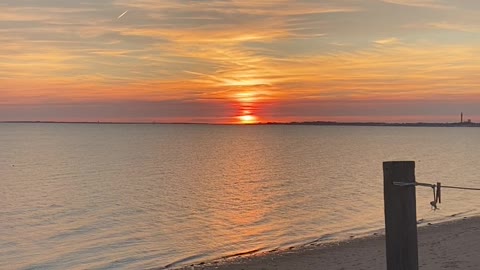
column 148, row 196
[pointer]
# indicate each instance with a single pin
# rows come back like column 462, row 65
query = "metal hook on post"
column 434, row 202
column 437, row 196
column 439, row 192
column 436, row 188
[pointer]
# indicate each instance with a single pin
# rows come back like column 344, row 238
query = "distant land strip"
column 307, row 123
column 379, row 124
column 103, row 123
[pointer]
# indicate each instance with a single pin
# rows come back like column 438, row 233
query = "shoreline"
column 452, row 244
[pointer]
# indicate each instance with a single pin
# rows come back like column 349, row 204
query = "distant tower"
column 461, row 117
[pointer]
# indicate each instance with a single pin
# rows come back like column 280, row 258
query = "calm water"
column 144, row 196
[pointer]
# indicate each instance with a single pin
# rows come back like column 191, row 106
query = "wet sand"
column 451, row 245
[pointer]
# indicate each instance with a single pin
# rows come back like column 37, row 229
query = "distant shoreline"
column 308, row 123
column 376, row 124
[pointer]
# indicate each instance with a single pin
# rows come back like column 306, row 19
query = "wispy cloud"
column 387, row 41
column 436, row 4
column 264, row 8
column 454, row 27
column 192, row 53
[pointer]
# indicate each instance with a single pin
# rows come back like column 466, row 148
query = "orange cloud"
column 249, row 55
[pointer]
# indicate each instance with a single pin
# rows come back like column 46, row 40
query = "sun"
column 247, row 119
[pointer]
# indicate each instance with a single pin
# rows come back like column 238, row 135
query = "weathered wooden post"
column 400, row 215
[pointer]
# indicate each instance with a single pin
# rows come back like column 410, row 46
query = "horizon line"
column 318, row 122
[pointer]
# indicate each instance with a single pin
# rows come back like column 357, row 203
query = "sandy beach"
column 450, row 245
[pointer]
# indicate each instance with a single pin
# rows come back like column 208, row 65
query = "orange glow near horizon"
column 246, row 97
column 248, row 103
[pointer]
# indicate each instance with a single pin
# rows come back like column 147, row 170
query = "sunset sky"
column 239, row 61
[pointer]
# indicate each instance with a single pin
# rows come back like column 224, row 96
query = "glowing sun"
column 247, row 119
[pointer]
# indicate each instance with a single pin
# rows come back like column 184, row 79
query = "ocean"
column 141, row 196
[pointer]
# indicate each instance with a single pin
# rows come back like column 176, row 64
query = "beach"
column 449, row 245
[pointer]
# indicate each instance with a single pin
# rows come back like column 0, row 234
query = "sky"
column 239, row 61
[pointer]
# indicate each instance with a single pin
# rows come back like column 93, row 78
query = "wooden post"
column 400, row 215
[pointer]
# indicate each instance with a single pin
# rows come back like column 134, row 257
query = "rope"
column 403, row 184
column 464, row 188
column 436, row 190
column 424, row 184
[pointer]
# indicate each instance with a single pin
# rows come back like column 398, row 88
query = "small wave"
column 185, row 260
column 250, row 252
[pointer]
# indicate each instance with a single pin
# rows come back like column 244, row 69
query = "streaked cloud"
column 387, row 41
column 455, row 27
column 281, row 59
column 420, row 3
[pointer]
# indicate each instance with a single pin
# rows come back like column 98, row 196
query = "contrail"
column 122, row 15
